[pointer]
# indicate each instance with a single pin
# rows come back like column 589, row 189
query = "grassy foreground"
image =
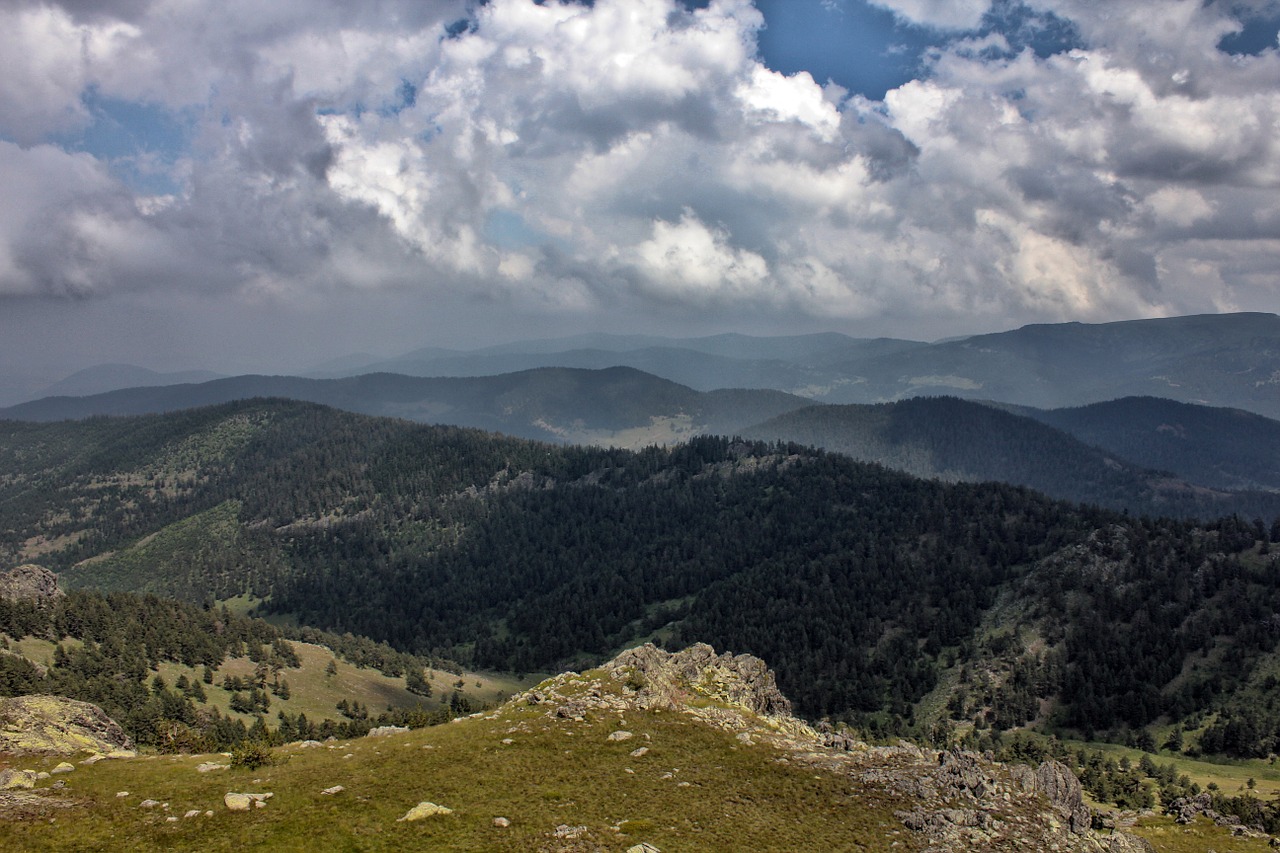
column 696, row 789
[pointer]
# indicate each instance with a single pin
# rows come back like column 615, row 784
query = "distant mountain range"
column 1193, row 461
column 1217, row 360
column 1142, row 453
column 113, row 377
column 1230, row 360
column 618, row 405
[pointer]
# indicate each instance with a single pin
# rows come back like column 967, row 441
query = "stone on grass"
column 424, row 809
column 336, row 789
column 382, row 731
column 621, row 735
column 212, row 765
column 64, row 767
column 643, row 847
column 501, row 822
column 640, row 752
column 243, row 802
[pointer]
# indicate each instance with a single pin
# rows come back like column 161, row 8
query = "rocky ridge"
column 958, row 800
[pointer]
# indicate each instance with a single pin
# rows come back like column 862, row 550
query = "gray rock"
column 1061, row 787
column 741, row 680
column 1123, row 842
column 29, row 583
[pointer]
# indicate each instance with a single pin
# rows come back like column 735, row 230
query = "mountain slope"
column 1220, row 448
column 1218, row 360
column 957, row 440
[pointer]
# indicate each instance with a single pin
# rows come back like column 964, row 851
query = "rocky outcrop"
column 53, row 724
column 29, row 583
column 742, row 680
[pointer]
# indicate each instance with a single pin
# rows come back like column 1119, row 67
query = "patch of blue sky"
column 141, row 142
column 1258, row 33
column 507, row 229
column 861, row 47
column 868, row 50
column 406, row 97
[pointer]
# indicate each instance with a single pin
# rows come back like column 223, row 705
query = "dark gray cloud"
column 631, row 163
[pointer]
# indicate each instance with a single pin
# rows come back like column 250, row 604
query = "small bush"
column 251, row 755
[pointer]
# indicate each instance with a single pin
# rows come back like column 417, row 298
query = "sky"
column 246, row 186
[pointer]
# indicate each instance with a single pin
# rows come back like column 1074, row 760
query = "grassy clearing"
column 312, row 691
column 1169, row 837
column 1230, row 776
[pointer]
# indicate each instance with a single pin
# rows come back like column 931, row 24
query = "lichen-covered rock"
column 54, row 724
column 238, row 802
column 11, row 780
column 425, row 810
column 29, row 583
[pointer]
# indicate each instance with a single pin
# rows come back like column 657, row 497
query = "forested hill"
column 1220, row 448
column 961, row 440
column 867, row 589
column 617, row 405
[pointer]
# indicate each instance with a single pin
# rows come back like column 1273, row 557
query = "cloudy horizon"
column 243, row 186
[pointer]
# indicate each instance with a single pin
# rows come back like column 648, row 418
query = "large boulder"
column 29, row 583
column 53, row 724
column 1062, row 789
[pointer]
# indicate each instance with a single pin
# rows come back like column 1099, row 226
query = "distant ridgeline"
column 861, row 586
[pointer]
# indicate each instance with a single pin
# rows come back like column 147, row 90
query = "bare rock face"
column 741, row 680
column 53, row 724
column 1062, row 789
column 29, row 583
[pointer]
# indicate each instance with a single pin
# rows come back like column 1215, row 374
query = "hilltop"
column 693, row 752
